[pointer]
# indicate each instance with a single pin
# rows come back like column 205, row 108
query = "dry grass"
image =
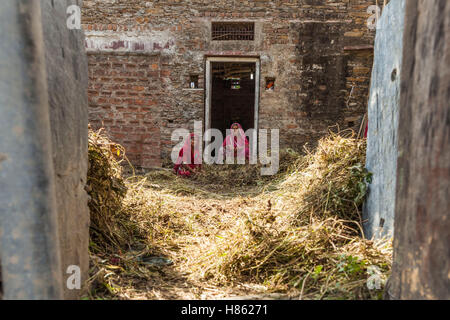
column 106, row 190
column 231, row 232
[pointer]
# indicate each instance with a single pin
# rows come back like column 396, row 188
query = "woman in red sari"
column 189, row 158
column 237, row 142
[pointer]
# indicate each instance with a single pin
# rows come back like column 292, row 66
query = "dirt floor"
column 173, row 281
column 230, row 233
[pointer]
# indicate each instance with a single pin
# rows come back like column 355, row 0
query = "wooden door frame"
column 208, row 89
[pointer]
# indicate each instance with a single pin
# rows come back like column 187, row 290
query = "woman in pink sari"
column 237, row 142
column 186, row 166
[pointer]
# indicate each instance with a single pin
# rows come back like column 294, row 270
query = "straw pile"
column 297, row 233
column 230, row 175
column 306, row 235
column 109, row 229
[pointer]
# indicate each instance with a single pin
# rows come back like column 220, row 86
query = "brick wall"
column 320, row 53
column 124, row 95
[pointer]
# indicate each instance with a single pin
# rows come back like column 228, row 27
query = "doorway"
column 232, row 93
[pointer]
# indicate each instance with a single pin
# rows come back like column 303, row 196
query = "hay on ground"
column 297, row 233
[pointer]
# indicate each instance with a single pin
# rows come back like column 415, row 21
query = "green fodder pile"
column 119, row 233
column 306, row 236
column 111, row 229
column 298, row 232
column 232, row 175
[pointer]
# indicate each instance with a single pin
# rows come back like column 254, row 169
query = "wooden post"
column 421, row 268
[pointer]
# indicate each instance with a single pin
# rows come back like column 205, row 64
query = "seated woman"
column 186, row 166
column 237, row 142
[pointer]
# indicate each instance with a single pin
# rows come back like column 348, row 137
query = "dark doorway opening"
column 233, row 95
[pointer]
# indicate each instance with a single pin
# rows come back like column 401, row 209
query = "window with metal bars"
column 223, row 31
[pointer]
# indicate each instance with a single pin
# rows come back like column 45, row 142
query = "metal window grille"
column 223, row 31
